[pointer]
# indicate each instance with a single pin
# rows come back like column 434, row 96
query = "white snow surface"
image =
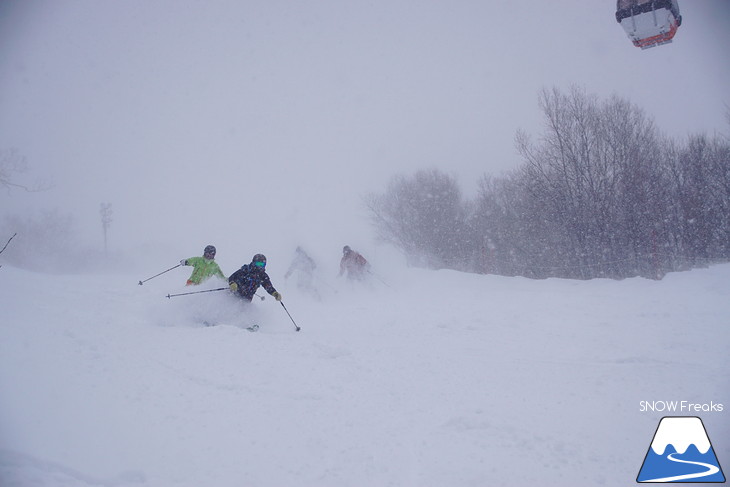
column 418, row 378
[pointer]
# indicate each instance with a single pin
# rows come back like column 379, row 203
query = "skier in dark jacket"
column 246, row 280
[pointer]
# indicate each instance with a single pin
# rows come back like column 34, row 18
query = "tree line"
column 47, row 241
column 601, row 193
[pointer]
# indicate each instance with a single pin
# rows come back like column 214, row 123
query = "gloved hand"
column 277, row 295
column 183, row 262
column 233, row 286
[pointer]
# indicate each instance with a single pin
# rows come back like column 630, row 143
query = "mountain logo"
column 680, row 452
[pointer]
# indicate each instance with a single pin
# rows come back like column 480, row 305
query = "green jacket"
column 203, row 269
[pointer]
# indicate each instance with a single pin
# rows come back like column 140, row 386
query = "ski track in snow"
column 443, row 378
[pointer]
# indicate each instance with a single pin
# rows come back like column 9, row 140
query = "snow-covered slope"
column 426, row 378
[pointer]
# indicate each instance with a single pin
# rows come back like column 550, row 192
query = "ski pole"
column 197, row 292
column 378, row 278
column 6, row 243
column 168, row 270
column 287, row 312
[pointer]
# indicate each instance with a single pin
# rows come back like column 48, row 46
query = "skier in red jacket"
column 354, row 264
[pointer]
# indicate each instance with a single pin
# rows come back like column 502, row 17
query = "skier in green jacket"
column 203, row 267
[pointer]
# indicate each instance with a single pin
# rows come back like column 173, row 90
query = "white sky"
column 214, row 121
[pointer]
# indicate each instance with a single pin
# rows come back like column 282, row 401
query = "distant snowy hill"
column 419, row 378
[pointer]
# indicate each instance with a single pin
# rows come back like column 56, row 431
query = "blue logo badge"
column 681, row 452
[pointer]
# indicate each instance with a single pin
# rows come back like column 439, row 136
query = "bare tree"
column 701, row 182
column 424, row 216
column 600, row 194
column 12, row 164
column 589, row 183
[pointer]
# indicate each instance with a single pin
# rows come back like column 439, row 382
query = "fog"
column 257, row 126
column 260, row 126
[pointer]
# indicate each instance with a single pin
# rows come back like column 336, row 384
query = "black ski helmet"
column 346, row 249
column 209, row 249
column 259, row 258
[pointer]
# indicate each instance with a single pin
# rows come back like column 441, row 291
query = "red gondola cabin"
column 649, row 23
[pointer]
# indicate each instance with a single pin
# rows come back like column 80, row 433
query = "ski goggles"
column 260, row 264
